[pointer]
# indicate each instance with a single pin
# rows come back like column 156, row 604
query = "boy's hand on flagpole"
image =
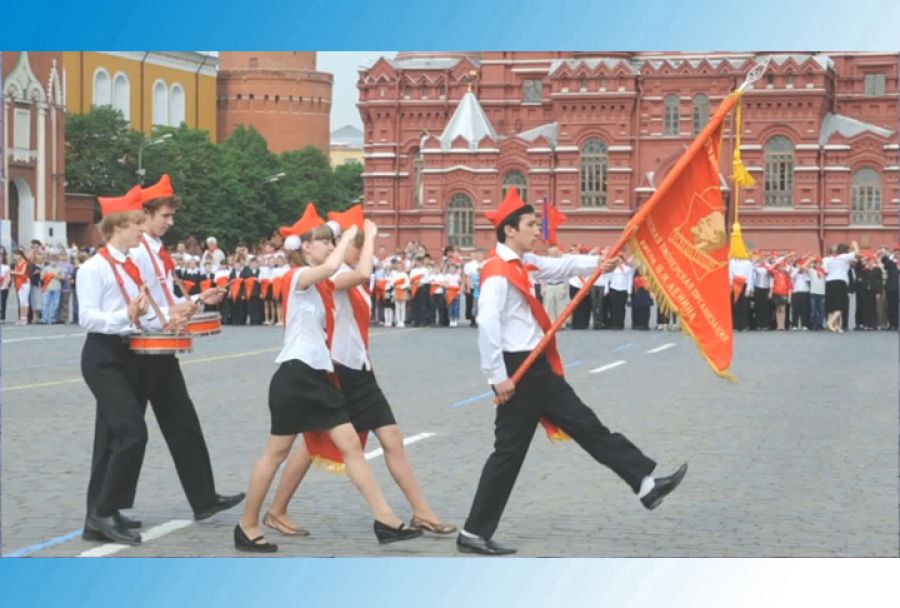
column 504, row 391
column 609, row 264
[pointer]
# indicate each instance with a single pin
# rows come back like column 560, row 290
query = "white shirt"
column 142, row 258
column 5, row 276
column 452, row 280
column 620, row 279
column 265, row 272
column 799, row 280
column 505, row 322
column 101, row 307
column 348, row 347
column 761, row 277
column 304, row 329
column 741, row 268
column 816, row 283
column 836, row 266
column 576, row 282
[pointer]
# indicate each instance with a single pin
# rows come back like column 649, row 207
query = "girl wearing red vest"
column 303, row 396
column 780, row 293
column 368, row 407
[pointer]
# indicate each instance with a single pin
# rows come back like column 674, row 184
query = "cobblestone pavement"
column 799, row 458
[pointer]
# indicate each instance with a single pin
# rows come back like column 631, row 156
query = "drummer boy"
column 162, row 377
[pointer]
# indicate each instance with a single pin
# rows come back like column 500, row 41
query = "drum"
column 205, row 324
column 159, row 343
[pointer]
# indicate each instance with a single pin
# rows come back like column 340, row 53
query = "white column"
column 54, row 173
column 41, row 167
column 7, row 124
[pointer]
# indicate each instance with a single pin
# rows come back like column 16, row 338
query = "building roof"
column 347, row 136
column 848, row 127
column 549, row 130
column 424, row 63
column 468, row 121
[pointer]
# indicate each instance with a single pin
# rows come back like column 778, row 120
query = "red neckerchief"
column 361, row 311
column 514, row 272
column 168, row 266
column 131, row 270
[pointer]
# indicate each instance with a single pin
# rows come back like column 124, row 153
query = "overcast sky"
column 344, row 65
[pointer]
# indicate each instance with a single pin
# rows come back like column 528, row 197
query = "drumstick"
column 156, row 308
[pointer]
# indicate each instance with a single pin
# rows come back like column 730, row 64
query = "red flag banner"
column 680, row 238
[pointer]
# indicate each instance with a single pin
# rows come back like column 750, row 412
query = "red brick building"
column 33, row 149
column 447, row 134
column 279, row 93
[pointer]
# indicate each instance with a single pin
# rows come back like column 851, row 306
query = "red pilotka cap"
column 351, row 217
column 308, row 221
column 131, row 201
column 510, row 205
column 161, row 189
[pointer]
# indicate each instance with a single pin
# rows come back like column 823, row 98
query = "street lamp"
column 273, row 178
column 148, row 142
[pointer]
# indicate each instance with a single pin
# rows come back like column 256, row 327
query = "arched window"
column 671, row 118
column 779, row 189
column 121, row 98
column 160, row 104
column 460, row 221
column 102, row 88
column 701, row 113
column 594, row 162
column 517, row 179
column 176, row 105
column 865, row 198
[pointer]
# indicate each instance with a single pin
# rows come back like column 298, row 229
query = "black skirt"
column 302, row 399
column 367, row 405
column 835, row 296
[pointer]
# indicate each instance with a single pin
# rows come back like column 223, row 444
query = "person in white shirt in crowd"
column 740, row 278
column 620, row 283
column 555, row 293
column 400, row 282
column 213, row 253
column 837, row 299
column 762, row 285
column 470, row 278
column 800, row 302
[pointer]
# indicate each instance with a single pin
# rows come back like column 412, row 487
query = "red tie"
column 132, row 271
column 168, row 262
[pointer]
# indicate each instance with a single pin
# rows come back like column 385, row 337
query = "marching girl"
column 369, row 409
column 302, row 397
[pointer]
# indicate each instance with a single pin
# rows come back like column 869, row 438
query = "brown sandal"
column 270, row 521
column 420, row 523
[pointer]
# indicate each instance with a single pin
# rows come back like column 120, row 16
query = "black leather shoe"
column 252, row 545
column 663, row 487
column 221, row 503
column 386, row 534
column 106, row 528
column 484, row 546
column 127, row 522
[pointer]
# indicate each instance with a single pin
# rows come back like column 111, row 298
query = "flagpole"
column 726, row 106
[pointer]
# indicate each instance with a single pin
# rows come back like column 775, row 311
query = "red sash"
column 21, row 267
column 434, row 288
column 414, row 281
column 205, row 284
column 249, row 284
column 188, row 287
column 380, row 289
column 277, row 285
column 130, row 269
column 737, row 288
column 45, row 282
column 236, row 289
column 221, row 281
column 515, row 273
column 264, row 285
column 450, row 294
column 168, row 266
column 361, row 311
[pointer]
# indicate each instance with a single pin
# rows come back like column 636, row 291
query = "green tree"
column 101, row 153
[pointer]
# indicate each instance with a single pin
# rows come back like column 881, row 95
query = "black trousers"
column 238, row 312
column 597, row 294
column 893, row 312
column 581, row 316
column 740, row 313
column 762, row 309
column 640, row 317
column 470, row 304
column 167, row 393
column 543, row 393
column 439, row 310
column 255, row 310
column 800, row 309
column 111, row 371
column 617, row 312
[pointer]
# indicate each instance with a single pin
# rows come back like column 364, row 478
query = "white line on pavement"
column 659, row 349
column 32, row 339
column 406, row 441
column 609, row 366
column 151, row 534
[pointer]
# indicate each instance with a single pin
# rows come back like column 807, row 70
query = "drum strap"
column 112, row 264
column 160, row 275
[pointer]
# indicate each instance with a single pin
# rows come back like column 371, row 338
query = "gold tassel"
column 741, row 178
column 329, row 466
